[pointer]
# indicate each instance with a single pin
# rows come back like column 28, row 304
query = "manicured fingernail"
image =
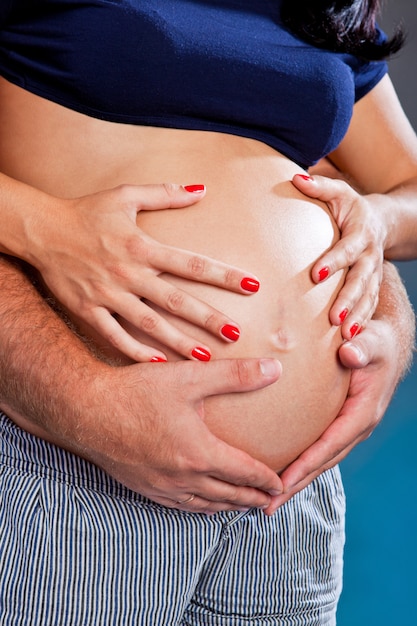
column 250, row 284
column 230, row 332
column 354, row 330
column 304, row 176
column 343, row 315
column 201, row 354
column 323, row 273
column 158, row 359
column 194, row 188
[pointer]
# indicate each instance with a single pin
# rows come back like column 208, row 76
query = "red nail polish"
column 343, row 315
column 194, row 188
column 158, row 359
column 305, row 176
column 250, row 284
column 201, row 354
column 230, row 332
column 323, row 273
column 355, row 329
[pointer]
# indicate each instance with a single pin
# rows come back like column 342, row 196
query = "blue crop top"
column 220, row 65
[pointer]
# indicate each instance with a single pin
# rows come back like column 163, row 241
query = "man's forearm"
column 395, row 308
column 45, row 370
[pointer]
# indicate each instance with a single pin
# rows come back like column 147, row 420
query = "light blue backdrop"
column 380, row 475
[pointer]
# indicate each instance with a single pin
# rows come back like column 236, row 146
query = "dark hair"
column 341, row 26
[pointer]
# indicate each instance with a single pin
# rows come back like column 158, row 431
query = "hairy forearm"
column 395, row 308
column 45, row 370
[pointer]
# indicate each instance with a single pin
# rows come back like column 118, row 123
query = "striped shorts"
column 79, row 549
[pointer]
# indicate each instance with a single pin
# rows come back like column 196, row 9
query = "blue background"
column 380, row 475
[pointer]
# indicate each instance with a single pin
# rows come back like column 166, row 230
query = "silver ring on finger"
column 190, row 499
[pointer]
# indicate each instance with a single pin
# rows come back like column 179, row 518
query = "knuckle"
column 363, row 282
column 149, row 323
column 196, row 266
column 113, row 339
column 170, row 190
column 119, row 271
column 241, row 372
column 211, row 321
column 350, row 253
column 137, row 247
column 230, row 278
column 231, row 496
column 374, row 298
column 195, row 464
column 249, row 478
column 175, row 301
column 124, row 192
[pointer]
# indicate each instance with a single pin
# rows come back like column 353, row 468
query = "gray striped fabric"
column 79, row 549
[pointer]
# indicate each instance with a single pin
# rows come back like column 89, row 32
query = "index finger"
column 241, row 471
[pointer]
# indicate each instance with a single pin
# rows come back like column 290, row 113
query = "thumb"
column 237, row 375
column 320, row 187
column 355, row 354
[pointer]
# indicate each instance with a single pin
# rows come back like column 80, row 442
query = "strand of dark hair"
column 342, row 26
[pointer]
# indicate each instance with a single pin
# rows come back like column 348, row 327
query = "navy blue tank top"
column 220, row 65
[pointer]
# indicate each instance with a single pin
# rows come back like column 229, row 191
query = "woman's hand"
column 361, row 248
column 101, row 266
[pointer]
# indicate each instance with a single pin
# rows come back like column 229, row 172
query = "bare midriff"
column 251, row 217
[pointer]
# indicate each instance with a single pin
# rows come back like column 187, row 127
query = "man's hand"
column 379, row 357
column 151, row 434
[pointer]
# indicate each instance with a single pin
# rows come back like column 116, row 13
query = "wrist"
column 25, row 213
column 379, row 207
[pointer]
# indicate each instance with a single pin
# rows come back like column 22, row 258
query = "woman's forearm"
column 400, row 209
column 22, row 210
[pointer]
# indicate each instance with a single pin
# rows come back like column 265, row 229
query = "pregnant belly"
column 278, row 235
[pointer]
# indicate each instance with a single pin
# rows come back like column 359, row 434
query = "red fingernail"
column 230, row 332
column 194, row 188
column 354, row 330
column 304, row 176
column 323, row 273
column 343, row 315
column 201, row 354
column 250, row 284
column 158, row 359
